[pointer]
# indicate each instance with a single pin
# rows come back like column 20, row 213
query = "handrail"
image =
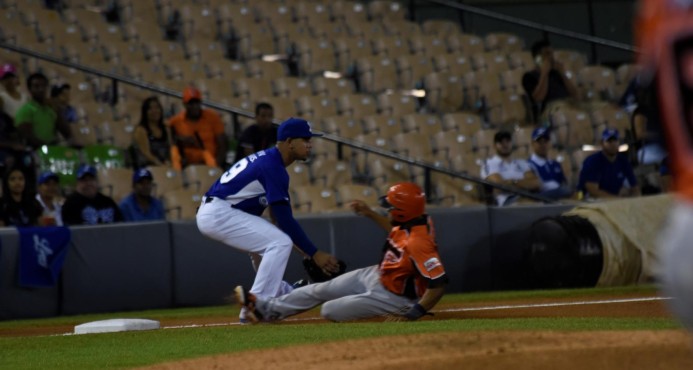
column 537, row 26
column 340, row 140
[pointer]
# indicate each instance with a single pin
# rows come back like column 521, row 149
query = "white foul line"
column 467, row 309
column 487, row 308
column 559, row 304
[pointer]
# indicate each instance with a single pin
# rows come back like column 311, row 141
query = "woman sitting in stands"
column 18, row 207
column 152, row 137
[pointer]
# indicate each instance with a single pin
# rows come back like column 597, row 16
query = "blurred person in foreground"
column 664, row 33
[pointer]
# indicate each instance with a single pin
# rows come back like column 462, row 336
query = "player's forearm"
column 380, row 220
column 431, row 297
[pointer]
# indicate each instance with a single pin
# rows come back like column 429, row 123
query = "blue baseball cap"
column 609, row 133
column 140, row 174
column 295, row 127
column 540, row 132
column 46, row 176
column 84, row 170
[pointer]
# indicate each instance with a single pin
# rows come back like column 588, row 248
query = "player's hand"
column 359, row 207
column 546, row 66
column 327, row 262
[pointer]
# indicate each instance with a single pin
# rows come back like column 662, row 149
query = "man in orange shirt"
column 198, row 133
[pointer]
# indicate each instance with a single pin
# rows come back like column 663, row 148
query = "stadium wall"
column 170, row 264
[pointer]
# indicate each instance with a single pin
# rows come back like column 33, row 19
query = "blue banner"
column 42, row 251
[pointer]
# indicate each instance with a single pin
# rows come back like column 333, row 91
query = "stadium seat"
column 104, row 156
column 349, row 192
column 396, row 105
column 343, row 126
column 328, row 172
column 314, row 107
column 62, row 160
column 444, row 92
column 464, row 122
column 450, row 144
column 381, row 125
column 299, row 174
column 166, row 179
column 199, row 177
column 598, row 82
column 427, row 124
column 464, row 43
column 292, row 87
column 331, row 87
column 181, row 204
column 440, row 27
column 314, row 199
column 349, row 49
column 115, row 182
column 503, row 42
column 356, row 105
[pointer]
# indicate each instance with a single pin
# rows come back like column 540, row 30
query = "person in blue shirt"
column 231, row 210
column 554, row 184
column 607, row 173
column 140, row 205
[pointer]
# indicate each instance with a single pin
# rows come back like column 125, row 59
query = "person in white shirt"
column 11, row 98
column 505, row 170
column 49, row 197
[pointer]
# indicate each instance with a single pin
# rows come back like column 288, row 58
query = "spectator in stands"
column 87, row 206
column 50, row 199
column 260, row 135
column 36, row 120
column 17, row 205
column 12, row 150
column 548, row 82
column 140, row 205
column 607, row 173
column 11, row 97
column 505, row 170
column 554, row 184
column 60, row 98
column 152, row 138
column 647, row 128
column 198, row 133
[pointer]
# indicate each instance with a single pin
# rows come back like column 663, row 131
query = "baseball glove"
column 315, row 273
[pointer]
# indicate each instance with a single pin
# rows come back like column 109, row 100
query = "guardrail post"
column 428, row 187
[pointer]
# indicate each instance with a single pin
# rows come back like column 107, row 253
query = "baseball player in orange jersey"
column 407, row 283
column 664, row 31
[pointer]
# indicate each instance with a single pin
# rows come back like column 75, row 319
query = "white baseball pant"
column 355, row 295
column 249, row 233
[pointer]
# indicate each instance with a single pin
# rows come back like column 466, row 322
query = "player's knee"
column 334, row 312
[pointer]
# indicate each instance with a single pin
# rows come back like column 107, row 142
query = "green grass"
column 124, row 350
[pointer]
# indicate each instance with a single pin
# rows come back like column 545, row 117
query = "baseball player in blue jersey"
column 231, row 210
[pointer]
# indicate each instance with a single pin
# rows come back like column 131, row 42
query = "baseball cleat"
column 247, row 300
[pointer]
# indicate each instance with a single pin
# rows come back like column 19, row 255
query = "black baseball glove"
column 315, row 273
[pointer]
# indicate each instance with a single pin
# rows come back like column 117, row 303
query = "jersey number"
column 234, row 170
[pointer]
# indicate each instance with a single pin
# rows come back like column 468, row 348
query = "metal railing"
column 235, row 112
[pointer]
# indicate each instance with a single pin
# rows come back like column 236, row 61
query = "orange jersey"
column 207, row 128
column 410, row 260
column 664, row 32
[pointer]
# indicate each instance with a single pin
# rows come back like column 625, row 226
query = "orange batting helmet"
column 404, row 201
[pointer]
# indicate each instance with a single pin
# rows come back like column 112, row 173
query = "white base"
column 116, row 325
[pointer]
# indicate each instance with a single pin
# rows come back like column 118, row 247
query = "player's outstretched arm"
column 426, row 303
column 361, row 208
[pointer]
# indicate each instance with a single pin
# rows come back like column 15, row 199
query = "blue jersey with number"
column 254, row 182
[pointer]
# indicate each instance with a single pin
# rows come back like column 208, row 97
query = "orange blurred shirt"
column 207, row 128
column 411, row 254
